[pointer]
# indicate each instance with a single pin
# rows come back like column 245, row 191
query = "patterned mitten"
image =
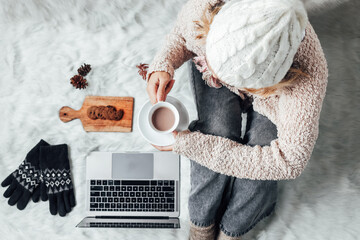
column 24, row 181
column 55, row 168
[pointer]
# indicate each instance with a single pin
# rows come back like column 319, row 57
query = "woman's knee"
column 207, row 189
column 238, row 227
column 251, row 201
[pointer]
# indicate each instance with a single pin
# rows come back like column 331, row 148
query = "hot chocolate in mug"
column 163, row 117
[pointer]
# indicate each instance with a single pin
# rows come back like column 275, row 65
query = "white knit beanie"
column 252, row 43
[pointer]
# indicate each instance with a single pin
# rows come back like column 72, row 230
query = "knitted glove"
column 24, row 181
column 58, row 188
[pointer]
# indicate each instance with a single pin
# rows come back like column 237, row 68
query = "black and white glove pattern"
column 57, row 180
column 24, row 181
column 45, row 172
column 58, row 188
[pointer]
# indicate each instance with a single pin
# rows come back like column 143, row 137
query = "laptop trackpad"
column 132, row 166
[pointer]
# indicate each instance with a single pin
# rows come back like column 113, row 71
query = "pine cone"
column 84, row 69
column 78, row 82
column 142, row 69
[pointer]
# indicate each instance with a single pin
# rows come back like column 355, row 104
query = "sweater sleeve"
column 284, row 158
column 173, row 53
column 297, row 123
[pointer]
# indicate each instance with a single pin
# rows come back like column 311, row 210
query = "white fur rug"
column 42, row 43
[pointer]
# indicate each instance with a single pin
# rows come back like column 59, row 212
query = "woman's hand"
column 159, row 85
column 166, row 148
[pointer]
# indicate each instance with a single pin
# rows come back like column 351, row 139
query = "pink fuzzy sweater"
column 295, row 111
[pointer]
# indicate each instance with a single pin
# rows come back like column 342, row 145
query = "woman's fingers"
column 161, row 96
column 163, row 148
column 169, row 87
column 159, row 85
column 151, row 90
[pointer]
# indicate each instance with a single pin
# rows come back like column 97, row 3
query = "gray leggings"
column 236, row 204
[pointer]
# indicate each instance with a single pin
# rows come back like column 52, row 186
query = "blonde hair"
column 291, row 77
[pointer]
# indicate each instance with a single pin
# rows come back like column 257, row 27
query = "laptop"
column 132, row 190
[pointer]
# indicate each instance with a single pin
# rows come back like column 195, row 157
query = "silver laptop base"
column 125, row 222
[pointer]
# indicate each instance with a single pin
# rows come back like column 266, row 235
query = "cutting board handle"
column 67, row 114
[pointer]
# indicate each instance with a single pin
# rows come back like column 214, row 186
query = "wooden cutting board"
column 67, row 114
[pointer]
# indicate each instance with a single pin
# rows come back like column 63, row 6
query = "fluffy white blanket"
column 42, row 43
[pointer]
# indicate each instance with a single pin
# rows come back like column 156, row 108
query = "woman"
column 260, row 51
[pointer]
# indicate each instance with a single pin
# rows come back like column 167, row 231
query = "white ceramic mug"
column 168, row 106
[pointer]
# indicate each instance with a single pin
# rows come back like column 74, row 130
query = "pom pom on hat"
column 252, row 43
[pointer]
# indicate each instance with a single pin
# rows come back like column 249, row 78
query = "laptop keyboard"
column 132, row 195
